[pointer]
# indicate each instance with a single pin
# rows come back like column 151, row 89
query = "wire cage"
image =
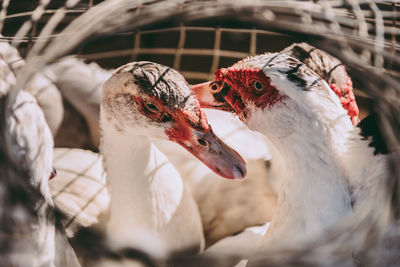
column 198, row 37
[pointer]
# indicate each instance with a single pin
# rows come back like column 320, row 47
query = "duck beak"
column 216, row 155
column 197, row 137
column 209, row 100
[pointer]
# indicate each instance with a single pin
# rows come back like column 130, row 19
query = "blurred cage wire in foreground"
column 197, row 37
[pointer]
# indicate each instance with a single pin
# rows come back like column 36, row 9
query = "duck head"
column 273, row 89
column 145, row 98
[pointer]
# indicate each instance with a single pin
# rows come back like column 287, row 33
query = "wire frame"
column 197, row 37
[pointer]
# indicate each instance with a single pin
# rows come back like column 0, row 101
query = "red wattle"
column 347, row 99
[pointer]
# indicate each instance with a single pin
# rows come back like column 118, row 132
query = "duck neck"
column 145, row 188
column 313, row 191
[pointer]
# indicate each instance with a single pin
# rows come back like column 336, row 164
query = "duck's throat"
column 145, row 187
column 313, row 192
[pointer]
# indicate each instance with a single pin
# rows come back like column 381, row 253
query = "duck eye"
column 216, row 87
column 202, row 142
column 257, row 85
column 151, row 107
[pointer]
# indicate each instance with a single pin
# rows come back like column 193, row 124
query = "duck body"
column 40, row 86
column 33, row 238
column 79, row 189
column 228, row 208
column 367, row 173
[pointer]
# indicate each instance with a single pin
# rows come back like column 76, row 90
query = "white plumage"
column 310, row 134
column 221, row 203
column 80, row 84
column 28, row 147
column 40, row 86
column 79, row 189
column 147, row 194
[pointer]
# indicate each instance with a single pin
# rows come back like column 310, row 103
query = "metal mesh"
column 197, row 37
column 366, row 28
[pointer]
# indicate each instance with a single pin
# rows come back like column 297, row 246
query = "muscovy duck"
column 328, row 167
column 143, row 101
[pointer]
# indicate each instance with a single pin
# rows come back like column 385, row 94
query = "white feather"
column 29, row 143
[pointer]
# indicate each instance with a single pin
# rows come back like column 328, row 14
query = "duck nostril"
column 202, row 142
column 240, row 170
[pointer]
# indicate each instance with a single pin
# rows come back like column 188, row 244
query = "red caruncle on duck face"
column 243, row 88
column 188, row 127
column 182, row 120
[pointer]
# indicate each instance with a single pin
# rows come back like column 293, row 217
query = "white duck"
column 256, row 191
column 28, row 218
column 309, row 132
column 140, row 102
column 334, row 73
